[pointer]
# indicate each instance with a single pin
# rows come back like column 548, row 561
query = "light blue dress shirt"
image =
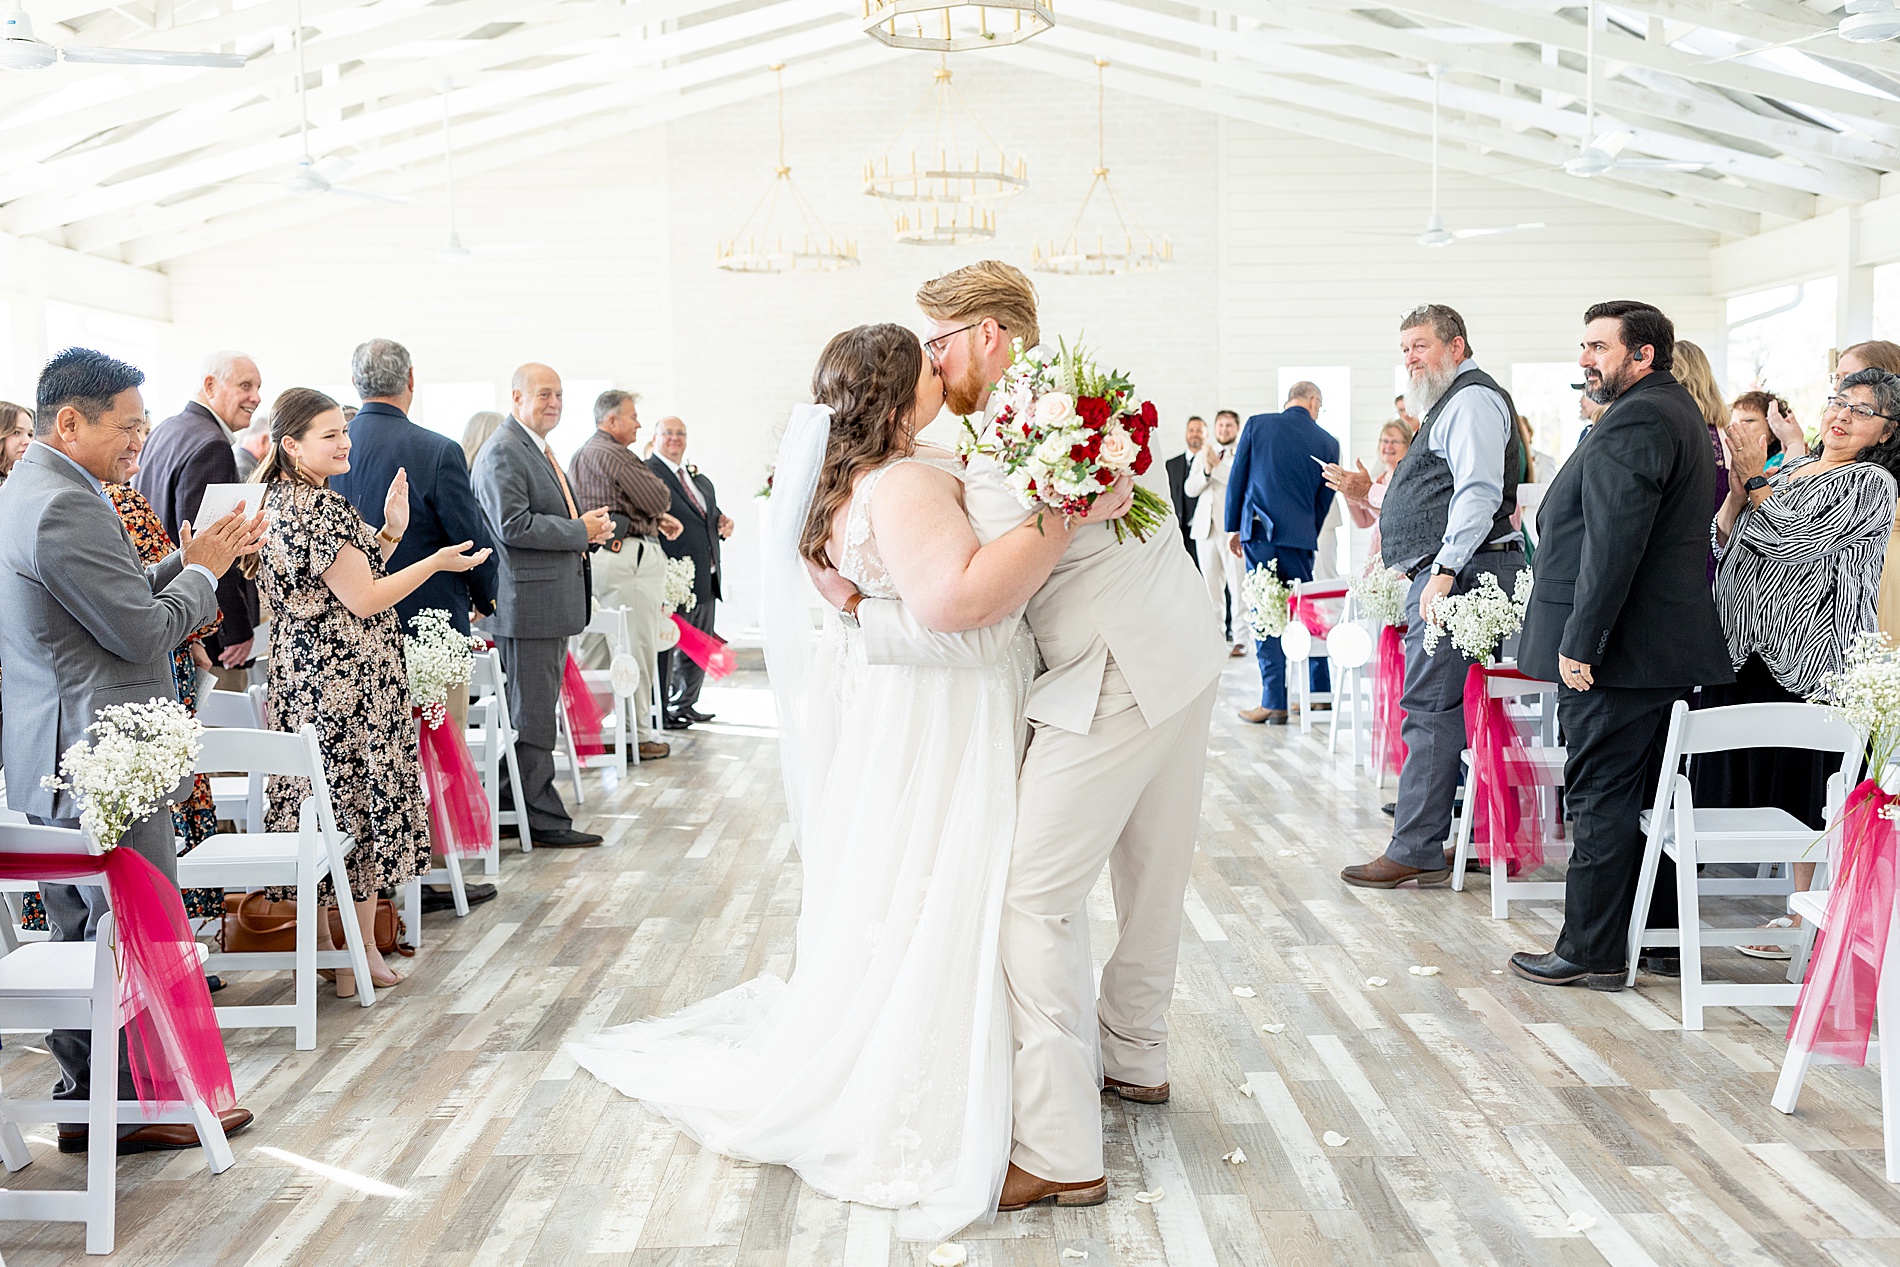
column 1471, row 435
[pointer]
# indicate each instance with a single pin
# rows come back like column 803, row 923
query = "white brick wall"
column 626, row 290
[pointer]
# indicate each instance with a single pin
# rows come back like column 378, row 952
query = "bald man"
column 542, row 592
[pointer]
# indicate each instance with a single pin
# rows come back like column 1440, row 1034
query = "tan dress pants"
column 1128, row 794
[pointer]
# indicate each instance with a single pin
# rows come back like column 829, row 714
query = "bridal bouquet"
column 680, row 574
column 1380, row 593
column 135, row 760
column 1069, row 429
column 1479, row 618
column 436, row 657
column 1267, row 597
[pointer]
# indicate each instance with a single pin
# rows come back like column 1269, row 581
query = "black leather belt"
column 1489, row 547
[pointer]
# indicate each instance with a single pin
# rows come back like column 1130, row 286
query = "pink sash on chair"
column 1506, row 824
column 706, row 650
column 1835, row 1013
column 458, row 805
column 1388, row 718
column 172, row 1041
column 584, row 717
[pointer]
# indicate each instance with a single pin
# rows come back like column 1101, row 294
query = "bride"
column 880, row 1071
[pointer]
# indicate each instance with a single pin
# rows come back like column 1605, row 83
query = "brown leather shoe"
column 1238, row 651
column 1473, row 863
column 1022, row 1190
column 1383, row 873
column 1322, row 708
column 1268, row 716
column 158, row 1137
column 653, row 750
column 1135, row 1093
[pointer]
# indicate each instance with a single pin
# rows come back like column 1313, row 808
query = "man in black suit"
column 1177, row 481
column 442, row 511
column 1621, row 617
column 186, row 453
column 696, row 506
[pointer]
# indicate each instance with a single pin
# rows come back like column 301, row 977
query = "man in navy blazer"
column 442, row 506
column 1276, row 501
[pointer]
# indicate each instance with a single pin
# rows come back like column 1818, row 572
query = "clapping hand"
column 223, row 542
column 1794, row 442
column 454, row 559
column 600, row 526
column 1747, row 455
column 396, row 504
column 1354, row 486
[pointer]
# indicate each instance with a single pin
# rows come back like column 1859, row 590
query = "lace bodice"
column 860, row 563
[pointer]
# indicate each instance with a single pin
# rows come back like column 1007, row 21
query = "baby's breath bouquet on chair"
column 1480, row 618
column 137, row 757
column 1380, row 593
column 437, row 656
column 1267, row 596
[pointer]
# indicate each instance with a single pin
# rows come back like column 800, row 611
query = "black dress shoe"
column 1390, row 809
column 696, row 715
column 678, row 721
column 1661, row 965
column 214, row 982
column 556, row 838
column 1554, row 969
column 434, row 900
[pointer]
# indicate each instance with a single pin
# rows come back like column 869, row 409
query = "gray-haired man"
column 1446, row 519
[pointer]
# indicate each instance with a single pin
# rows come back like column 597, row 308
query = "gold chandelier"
column 761, row 246
column 1128, row 248
column 955, row 26
column 943, row 196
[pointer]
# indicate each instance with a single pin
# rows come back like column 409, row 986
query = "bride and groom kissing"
column 1001, row 702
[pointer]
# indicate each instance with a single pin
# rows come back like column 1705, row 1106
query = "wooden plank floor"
column 1485, row 1121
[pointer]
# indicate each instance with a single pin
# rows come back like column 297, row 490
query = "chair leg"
column 353, row 938
column 304, row 974
column 102, row 1127
column 1689, row 928
column 1461, row 846
column 521, row 804
column 458, row 889
column 211, row 1134
column 1645, row 887
column 412, row 911
column 1889, row 1071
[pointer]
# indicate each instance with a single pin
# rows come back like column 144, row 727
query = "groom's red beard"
column 965, row 394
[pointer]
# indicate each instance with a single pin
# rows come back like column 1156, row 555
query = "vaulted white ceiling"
column 142, row 165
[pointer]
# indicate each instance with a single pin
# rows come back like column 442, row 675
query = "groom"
column 1117, row 754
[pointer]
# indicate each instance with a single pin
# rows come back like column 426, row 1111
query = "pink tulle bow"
column 458, row 807
column 1506, row 825
column 1306, row 610
column 172, row 1041
column 1388, row 718
column 1835, row 1013
column 583, row 713
column 708, row 652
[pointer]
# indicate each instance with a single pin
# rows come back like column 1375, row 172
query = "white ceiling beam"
column 1232, row 77
column 1305, row 122
column 1771, row 24
column 1708, row 112
column 502, row 145
column 197, row 132
column 35, row 267
column 116, row 225
column 1380, row 76
column 41, row 213
column 1614, row 46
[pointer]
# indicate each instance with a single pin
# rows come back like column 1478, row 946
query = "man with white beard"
column 1445, row 520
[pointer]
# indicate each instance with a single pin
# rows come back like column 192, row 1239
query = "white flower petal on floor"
column 1149, row 1198
column 1423, row 970
column 1236, row 1157
column 1375, row 981
column 1274, row 1027
column 1333, row 1139
column 949, row 1254
column 1243, row 992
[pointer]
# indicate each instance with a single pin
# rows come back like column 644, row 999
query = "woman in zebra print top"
column 1800, row 561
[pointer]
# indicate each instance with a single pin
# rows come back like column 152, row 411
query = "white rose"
column 1070, row 486
column 1055, row 449
column 1055, row 409
column 1119, row 449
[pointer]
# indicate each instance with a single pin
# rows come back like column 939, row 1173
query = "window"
column 1779, row 340
column 1887, row 302
column 577, row 416
column 446, row 407
column 1335, row 399
column 1543, row 392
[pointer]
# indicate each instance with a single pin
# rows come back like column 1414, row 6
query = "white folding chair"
column 1349, row 650
column 491, row 741
column 238, row 799
column 1545, row 772
column 612, row 623
column 74, row 985
column 1694, row 837
column 256, row 860
column 1298, row 643
column 1812, row 908
column 13, row 894
column 259, row 672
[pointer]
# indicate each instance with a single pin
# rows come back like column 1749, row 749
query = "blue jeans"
column 1295, row 565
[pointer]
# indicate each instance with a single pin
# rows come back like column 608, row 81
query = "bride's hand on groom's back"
column 831, row 585
column 1113, row 503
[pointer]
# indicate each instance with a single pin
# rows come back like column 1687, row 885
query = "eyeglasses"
column 1859, row 411
column 935, row 353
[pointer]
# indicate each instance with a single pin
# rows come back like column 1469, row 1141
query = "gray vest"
column 1417, row 502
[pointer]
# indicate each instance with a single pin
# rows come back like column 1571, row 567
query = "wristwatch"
column 1439, row 569
column 1754, row 482
column 382, row 534
column 849, row 612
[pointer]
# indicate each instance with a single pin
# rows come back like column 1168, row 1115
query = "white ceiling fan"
column 20, row 49
column 454, row 251
column 1866, row 22
column 1598, row 153
column 307, row 181
column 1436, row 234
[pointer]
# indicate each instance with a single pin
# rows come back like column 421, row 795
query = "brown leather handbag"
column 253, row 924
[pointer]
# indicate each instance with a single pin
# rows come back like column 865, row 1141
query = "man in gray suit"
column 87, row 628
column 542, row 596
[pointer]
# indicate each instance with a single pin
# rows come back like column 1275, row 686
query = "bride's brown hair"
column 868, row 375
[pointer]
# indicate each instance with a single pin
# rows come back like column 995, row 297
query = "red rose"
column 1144, row 461
column 1148, row 416
column 1079, row 453
column 1093, row 411
column 1104, row 477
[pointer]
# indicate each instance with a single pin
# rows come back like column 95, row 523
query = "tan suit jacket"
column 1141, row 602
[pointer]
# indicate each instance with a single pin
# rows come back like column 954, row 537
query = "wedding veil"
column 791, row 640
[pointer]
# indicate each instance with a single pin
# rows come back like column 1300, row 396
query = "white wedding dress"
column 880, row 1071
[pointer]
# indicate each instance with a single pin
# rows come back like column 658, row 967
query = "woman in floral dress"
column 337, row 654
